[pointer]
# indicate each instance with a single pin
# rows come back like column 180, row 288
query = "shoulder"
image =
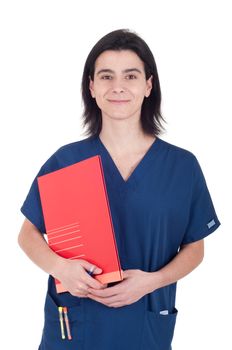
column 68, row 154
column 178, row 153
column 74, row 146
column 180, row 160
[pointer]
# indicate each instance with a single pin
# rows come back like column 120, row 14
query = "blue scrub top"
column 163, row 204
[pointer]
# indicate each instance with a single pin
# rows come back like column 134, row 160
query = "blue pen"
column 90, row 272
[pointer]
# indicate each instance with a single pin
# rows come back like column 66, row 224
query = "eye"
column 106, row 77
column 131, row 76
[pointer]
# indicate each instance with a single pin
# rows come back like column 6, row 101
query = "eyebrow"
column 124, row 71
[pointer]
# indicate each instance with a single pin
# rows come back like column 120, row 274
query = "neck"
column 124, row 136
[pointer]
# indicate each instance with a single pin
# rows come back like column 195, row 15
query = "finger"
column 125, row 274
column 92, row 282
column 104, row 293
column 117, row 305
column 83, row 289
column 105, row 301
column 91, row 269
column 99, row 300
column 79, row 293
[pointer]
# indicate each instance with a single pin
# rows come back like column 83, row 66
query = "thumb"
column 91, row 268
column 94, row 270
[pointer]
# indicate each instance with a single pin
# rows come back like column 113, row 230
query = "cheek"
column 99, row 101
column 139, row 97
column 100, row 96
column 138, row 91
column 102, row 93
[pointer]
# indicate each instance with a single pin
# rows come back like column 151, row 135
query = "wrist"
column 57, row 266
column 156, row 280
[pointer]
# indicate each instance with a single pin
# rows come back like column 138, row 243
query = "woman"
column 160, row 205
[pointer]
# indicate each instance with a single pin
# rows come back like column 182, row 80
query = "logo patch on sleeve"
column 211, row 223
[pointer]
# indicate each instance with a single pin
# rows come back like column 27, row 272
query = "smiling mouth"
column 119, row 101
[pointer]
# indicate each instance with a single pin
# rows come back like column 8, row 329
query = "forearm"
column 36, row 248
column 71, row 273
column 188, row 258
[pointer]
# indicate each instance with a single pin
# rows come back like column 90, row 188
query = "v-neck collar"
column 112, row 170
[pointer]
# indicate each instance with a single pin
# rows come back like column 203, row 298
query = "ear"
column 149, row 86
column 91, row 87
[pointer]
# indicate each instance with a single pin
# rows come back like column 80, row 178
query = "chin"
column 120, row 117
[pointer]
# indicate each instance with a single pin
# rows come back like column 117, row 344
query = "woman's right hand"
column 73, row 274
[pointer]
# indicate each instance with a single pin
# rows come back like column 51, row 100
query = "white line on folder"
column 65, row 234
column 76, row 256
column 75, row 246
column 66, row 240
column 63, row 227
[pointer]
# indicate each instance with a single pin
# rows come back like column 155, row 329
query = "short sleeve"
column 32, row 208
column 203, row 219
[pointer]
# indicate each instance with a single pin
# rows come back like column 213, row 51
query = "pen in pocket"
column 64, row 322
column 67, row 323
column 61, row 322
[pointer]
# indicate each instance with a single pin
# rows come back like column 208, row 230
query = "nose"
column 117, row 86
column 118, row 90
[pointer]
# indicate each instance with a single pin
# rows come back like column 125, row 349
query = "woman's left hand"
column 135, row 284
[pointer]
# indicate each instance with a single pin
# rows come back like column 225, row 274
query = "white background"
column 43, row 46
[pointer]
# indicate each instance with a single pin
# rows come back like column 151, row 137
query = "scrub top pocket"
column 52, row 338
column 158, row 330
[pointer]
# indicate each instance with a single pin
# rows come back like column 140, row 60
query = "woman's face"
column 120, row 84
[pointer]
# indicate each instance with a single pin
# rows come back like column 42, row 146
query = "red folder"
column 77, row 217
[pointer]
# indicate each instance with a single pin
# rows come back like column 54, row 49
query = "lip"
column 119, row 101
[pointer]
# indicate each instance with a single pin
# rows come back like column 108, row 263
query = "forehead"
column 118, row 60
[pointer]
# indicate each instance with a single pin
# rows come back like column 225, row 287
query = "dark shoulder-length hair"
column 122, row 39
